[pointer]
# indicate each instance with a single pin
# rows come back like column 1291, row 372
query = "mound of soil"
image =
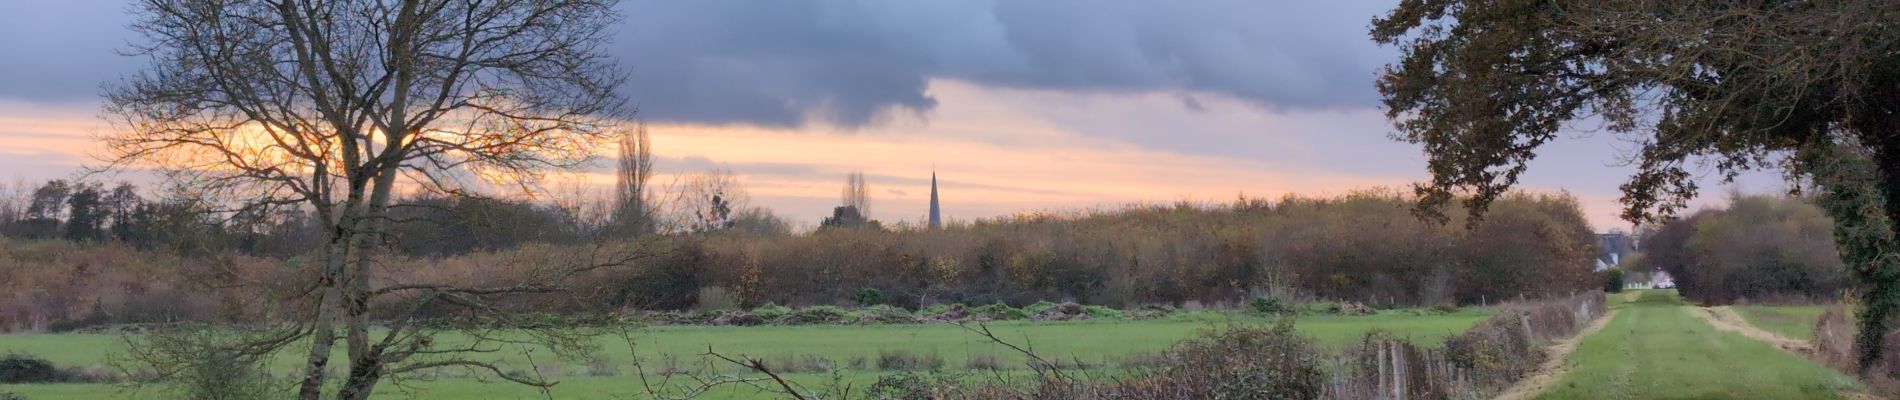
column 1062, row 312
column 955, row 313
column 738, row 318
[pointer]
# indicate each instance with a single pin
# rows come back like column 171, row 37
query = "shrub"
column 799, row 364
column 1319, row 308
column 206, row 362
column 1039, row 307
column 900, row 360
column 912, row 385
column 868, row 296
column 714, row 298
column 1270, row 305
column 1613, row 281
column 21, row 368
column 982, row 362
column 1252, row 362
column 1000, row 312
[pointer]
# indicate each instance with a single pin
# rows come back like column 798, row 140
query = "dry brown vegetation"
column 1364, row 247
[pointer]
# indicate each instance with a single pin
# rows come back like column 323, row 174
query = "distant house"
column 1653, row 280
column 1612, row 248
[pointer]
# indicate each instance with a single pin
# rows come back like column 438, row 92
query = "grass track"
column 1656, row 349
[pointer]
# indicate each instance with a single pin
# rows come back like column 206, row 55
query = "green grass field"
column 1792, row 321
column 1656, row 349
column 1099, row 342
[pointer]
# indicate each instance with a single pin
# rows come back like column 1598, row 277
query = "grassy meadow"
column 1791, row 321
column 856, row 349
column 1656, row 349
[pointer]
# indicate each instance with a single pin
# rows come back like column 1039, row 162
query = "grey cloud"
column 850, row 63
column 61, row 51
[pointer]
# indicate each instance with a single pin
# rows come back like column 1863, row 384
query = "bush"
column 911, row 385
column 1103, row 312
column 868, row 296
column 1270, row 305
column 1039, row 307
column 900, row 360
column 884, row 314
column 21, row 368
column 1000, row 312
column 982, row 362
column 1245, row 362
column 207, row 362
column 1613, row 281
column 714, row 298
column 1318, row 308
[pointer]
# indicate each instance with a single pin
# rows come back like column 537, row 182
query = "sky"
column 1017, row 106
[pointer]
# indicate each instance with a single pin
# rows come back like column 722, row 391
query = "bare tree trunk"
column 323, row 334
column 365, row 363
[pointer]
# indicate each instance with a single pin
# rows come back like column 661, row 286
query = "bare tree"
column 633, row 212
column 338, row 104
column 857, row 194
column 708, row 201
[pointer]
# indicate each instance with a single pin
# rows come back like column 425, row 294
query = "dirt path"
column 1553, row 369
column 1725, row 318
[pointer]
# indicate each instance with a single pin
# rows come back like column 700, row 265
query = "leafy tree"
column 87, row 213
column 845, row 217
column 1482, row 85
column 45, row 209
column 121, row 204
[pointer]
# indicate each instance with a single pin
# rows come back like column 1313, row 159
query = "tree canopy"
column 1792, row 85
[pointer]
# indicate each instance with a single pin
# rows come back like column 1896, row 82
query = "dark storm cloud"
column 788, row 63
column 852, row 62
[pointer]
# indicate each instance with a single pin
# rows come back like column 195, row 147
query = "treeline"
column 181, row 223
column 1759, row 248
column 1365, row 247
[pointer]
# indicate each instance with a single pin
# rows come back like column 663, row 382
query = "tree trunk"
column 1880, row 280
column 323, row 334
column 366, row 364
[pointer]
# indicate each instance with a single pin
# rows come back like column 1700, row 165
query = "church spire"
column 936, row 214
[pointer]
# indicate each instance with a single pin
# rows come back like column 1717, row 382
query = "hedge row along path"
column 1553, row 368
column 1658, row 347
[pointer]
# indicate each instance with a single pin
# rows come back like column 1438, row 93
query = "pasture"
column 1791, row 321
column 858, row 351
